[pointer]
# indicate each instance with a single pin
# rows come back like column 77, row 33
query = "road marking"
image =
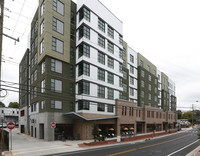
column 146, row 146
column 182, row 148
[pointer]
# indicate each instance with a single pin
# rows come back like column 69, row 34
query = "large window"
column 110, row 78
column 58, row 25
column 83, row 105
column 110, row 94
column 101, row 58
column 42, row 8
column 101, row 25
column 110, row 32
column 131, row 91
column 84, row 87
column 43, row 86
column 84, row 50
column 120, row 67
column 41, row 46
column 110, row 47
column 84, row 13
column 57, row 45
column 142, row 83
column 101, row 41
column 101, row 107
column 101, row 74
column 42, row 27
column 56, row 104
column 84, row 69
column 56, row 85
column 101, row 92
column 58, row 6
column 111, row 62
column 131, row 80
column 84, row 31
column 43, row 67
column 110, row 108
column 56, row 66
column 131, row 69
column 131, row 58
column 120, row 53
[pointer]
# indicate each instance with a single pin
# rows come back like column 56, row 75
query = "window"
column 148, row 68
column 156, row 81
column 124, row 88
column 124, row 75
column 149, row 77
column 110, row 78
column 56, row 86
column 56, row 66
column 84, row 87
column 58, row 26
column 84, row 68
column 120, row 53
column 101, row 74
column 101, row 58
column 84, row 13
column 101, row 91
column 32, row 47
column 132, row 69
column 142, row 73
column 72, row 17
column 84, row 50
column 72, row 52
column 110, row 32
column 83, row 105
column 42, row 8
column 57, row 45
column 71, row 88
column 149, row 87
column 111, row 62
column 101, row 25
column 110, row 108
column 142, row 94
column 110, row 47
column 72, row 34
column 101, row 107
column 71, row 70
column 120, row 82
column 36, row 26
column 120, row 67
column 42, row 27
column 141, row 63
column 131, row 80
column 101, row 41
column 56, row 104
column 84, row 31
column 21, row 113
column 120, row 39
column 131, row 58
column 42, row 104
column 43, row 67
column 110, row 94
column 58, row 6
column 35, row 75
column 42, row 46
column 149, row 96
column 156, row 99
column 131, row 91
column 43, row 86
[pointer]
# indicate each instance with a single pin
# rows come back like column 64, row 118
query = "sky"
column 166, row 32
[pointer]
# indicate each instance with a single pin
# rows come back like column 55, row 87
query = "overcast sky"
column 166, row 32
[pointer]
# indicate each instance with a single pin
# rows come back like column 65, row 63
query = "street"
column 177, row 145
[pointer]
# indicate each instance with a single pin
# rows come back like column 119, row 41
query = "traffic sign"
column 11, row 125
column 53, row 125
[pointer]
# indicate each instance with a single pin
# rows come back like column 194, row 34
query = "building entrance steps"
column 24, row 145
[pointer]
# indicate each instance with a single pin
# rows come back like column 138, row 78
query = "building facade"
column 77, row 69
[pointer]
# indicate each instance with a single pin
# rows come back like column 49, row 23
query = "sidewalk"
column 24, row 145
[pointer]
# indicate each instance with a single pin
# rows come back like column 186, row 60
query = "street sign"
column 11, row 125
column 53, row 125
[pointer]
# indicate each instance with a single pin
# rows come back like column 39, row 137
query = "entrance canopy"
column 77, row 116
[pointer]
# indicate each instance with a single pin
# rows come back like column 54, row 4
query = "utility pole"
column 192, row 113
column 1, row 34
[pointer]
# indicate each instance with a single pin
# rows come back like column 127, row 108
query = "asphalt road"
column 174, row 145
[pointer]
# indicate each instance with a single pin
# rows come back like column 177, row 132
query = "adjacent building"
column 79, row 72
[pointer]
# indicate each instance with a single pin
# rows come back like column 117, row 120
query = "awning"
column 77, row 116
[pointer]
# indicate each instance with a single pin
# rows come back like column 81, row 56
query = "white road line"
column 182, row 148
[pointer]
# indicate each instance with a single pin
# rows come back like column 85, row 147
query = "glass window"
column 101, row 92
column 72, row 52
column 41, row 46
column 124, row 75
column 83, row 105
column 142, row 83
column 57, row 45
column 110, row 47
column 149, row 77
column 101, row 25
column 120, row 82
column 58, row 6
column 120, row 67
column 42, row 104
column 101, row 58
column 120, row 39
column 58, row 26
column 142, row 94
column 56, row 104
column 149, row 96
column 101, row 41
column 110, row 78
column 84, row 13
column 110, row 94
column 142, row 73
column 120, row 53
column 131, row 91
column 111, row 62
column 72, row 17
column 110, row 32
column 110, row 108
column 42, row 27
column 84, row 87
column 84, row 50
column 56, row 86
column 101, row 107
column 131, row 58
column 84, row 68
column 42, row 8
column 124, row 88
column 72, row 34
column 149, row 87
column 43, row 86
column 101, row 74
column 84, row 31
column 131, row 80
column 132, row 69
column 56, row 66
column 43, row 67
column 141, row 63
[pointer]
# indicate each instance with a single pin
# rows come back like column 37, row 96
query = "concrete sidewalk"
column 24, row 145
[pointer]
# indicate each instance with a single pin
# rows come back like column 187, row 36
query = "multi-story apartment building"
column 78, row 66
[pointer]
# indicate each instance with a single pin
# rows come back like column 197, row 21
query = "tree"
column 180, row 114
column 2, row 104
column 95, row 131
column 13, row 105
